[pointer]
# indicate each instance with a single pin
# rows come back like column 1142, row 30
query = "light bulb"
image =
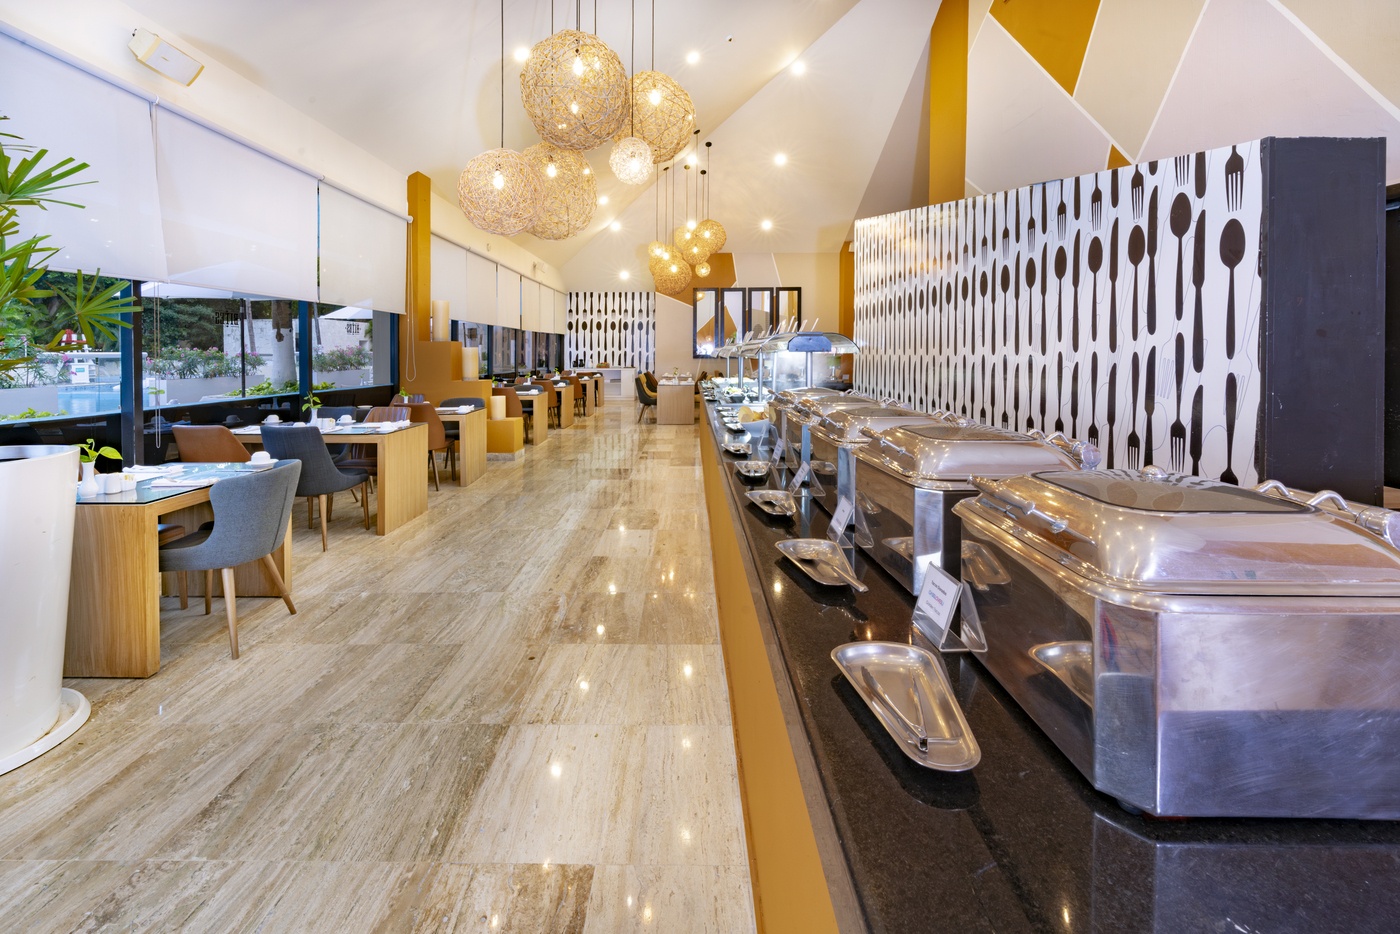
column 690, row 224
column 573, row 107
column 692, row 58
column 522, row 54
column 578, row 64
column 799, row 67
column 624, row 274
column 615, row 226
column 602, row 199
column 654, row 95
column 498, row 181
column 780, row 158
column 692, row 159
column 767, row 224
column 551, row 170
column 702, row 270
column 587, row 170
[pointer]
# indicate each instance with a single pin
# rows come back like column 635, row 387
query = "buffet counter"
column 1019, row 843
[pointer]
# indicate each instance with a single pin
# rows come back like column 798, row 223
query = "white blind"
column 362, row 253
column 449, row 263
column 507, row 297
column 530, row 306
column 54, row 106
column 481, row 289
column 233, row 218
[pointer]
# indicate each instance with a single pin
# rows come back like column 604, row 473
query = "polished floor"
column 510, row 715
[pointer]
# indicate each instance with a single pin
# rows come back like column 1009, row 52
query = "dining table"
column 471, row 440
column 539, row 426
column 401, row 484
column 114, row 598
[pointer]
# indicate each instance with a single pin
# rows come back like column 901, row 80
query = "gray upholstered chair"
column 645, row 399
column 320, row 479
column 251, row 512
column 452, row 428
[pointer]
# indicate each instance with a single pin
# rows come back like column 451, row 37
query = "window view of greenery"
column 342, row 346
column 73, row 378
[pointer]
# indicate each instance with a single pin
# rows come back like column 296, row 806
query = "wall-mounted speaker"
column 162, row 57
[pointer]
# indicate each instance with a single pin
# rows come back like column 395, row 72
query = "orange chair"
column 426, row 413
column 551, row 396
column 209, row 444
column 513, row 407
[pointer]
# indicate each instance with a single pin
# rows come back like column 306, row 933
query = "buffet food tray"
column 773, row 502
column 908, row 691
column 822, row 561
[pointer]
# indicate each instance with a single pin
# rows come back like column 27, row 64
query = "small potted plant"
column 312, row 406
column 88, row 453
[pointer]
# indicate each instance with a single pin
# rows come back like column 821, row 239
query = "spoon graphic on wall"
column 1060, row 263
column 1095, row 264
column 1181, row 226
column 1231, row 252
column 1135, row 252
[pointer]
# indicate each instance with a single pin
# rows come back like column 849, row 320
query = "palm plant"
column 29, row 179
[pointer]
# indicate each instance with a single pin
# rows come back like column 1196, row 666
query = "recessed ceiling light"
column 780, row 158
column 521, row 54
column 602, row 199
column 615, row 226
column 799, row 67
column 624, row 274
column 766, row 224
column 692, row 58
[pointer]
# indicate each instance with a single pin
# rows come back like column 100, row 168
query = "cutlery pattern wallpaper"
column 616, row 327
column 1121, row 307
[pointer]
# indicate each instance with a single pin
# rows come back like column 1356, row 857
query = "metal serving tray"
column 738, row 447
column 908, row 691
column 752, row 470
column 774, row 502
column 822, row 561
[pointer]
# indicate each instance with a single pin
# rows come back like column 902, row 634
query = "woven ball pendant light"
column 662, row 114
column 631, row 161
column 702, row 270
column 574, row 89
column 658, row 250
column 570, row 192
column 712, row 235
column 500, row 191
column 670, row 276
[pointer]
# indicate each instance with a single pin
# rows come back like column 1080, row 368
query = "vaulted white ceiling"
column 417, row 84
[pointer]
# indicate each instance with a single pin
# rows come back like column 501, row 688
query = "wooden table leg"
column 114, row 599
column 403, row 478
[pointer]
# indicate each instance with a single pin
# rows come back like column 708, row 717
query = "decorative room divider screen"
column 1131, row 307
column 612, row 328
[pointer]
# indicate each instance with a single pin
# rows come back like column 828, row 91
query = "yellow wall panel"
column 947, row 118
column 1055, row 34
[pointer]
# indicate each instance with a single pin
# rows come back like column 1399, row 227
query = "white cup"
column 346, row 420
column 111, row 482
column 128, row 482
column 272, row 420
column 260, row 457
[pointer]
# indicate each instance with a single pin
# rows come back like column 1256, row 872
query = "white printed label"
column 778, row 449
column 938, row 598
column 799, row 478
column 840, row 519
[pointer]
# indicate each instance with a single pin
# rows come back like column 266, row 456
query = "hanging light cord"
column 503, row 74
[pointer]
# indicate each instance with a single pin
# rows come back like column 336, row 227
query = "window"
column 343, row 347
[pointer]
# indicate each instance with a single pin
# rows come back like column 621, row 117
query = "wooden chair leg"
column 322, row 497
column 184, row 590
column 231, row 609
column 432, row 459
column 277, row 581
column 208, row 592
column 310, row 517
column 330, row 507
column 364, row 499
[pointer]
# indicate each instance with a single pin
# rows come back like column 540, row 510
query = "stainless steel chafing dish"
column 908, row 479
column 1195, row 648
column 803, row 414
column 783, row 402
column 833, row 440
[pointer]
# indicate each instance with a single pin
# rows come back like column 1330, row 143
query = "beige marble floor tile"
column 515, row 899
column 616, row 543
column 683, row 805
column 602, row 618
column 627, row 684
column 674, row 899
column 549, row 793
column 484, row 683
column 684, row 618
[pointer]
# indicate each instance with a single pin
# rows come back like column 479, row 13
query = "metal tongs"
column 915, row 729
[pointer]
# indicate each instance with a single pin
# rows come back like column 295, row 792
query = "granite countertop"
column 1023, row 842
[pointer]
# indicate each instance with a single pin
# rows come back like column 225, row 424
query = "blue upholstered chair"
column 251, row 512
column 320, row 477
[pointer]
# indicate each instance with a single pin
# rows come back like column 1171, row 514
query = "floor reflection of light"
column 688, row 669
column 601, row 630
column 556, row 770
column 583, row 685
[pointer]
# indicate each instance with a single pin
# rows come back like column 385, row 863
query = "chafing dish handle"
column 1025, row 507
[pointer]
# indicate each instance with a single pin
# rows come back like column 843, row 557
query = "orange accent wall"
column 947, row 104
column 1116, row 160
column 1056, row 34
column 721, row 274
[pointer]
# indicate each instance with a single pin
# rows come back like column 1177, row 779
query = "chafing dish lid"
column 1179, row 534
column 790, row 397
column 844, row 425
column 814, row 406
column 940, row 451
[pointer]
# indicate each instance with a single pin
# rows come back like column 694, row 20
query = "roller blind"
column 54, row 106
column 362, row 250
column 233, row 218
column 530, row 306
column 481, row 289
column 507, row 297
column 450, row 277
